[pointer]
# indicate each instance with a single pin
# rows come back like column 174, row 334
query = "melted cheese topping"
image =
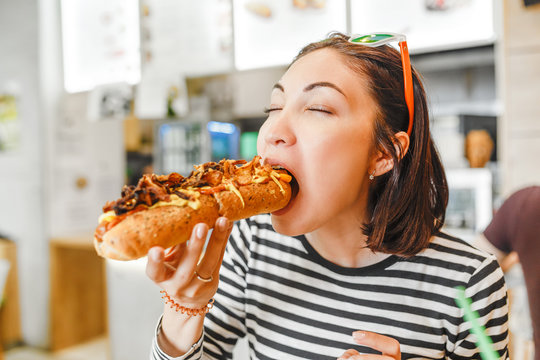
column 108, row 216
column 257, row 179
column 273, row 176
column 175, row 201
column 178, row 201
column 232, row 188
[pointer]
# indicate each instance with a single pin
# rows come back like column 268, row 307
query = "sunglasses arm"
column 407, row 76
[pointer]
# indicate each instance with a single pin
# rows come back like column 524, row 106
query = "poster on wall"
column 86, row 166
column 270, row 33
column 9, row 123
column 430, row 25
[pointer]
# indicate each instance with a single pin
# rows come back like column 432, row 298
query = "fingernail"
column 201, row 231
column 155, row 254
column 222, row 224
column 359, row 335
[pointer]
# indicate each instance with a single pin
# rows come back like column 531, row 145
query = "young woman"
column 355, row 264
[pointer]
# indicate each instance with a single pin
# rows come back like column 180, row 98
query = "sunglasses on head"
column 374, row 40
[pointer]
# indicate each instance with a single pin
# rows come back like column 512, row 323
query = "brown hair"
column 406, row 205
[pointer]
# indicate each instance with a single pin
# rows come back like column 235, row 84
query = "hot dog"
column 161, row 210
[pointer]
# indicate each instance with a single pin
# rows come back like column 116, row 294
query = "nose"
column 276, row 139
column 277, row 132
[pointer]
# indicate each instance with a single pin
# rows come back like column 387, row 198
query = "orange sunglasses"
column 379, row 39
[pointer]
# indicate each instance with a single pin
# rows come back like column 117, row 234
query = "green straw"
column 483, row 341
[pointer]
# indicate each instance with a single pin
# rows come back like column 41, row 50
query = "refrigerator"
column 180, row 144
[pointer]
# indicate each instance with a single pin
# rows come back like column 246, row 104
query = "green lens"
column 371, row 38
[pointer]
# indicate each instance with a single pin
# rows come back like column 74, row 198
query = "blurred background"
column 93, row 93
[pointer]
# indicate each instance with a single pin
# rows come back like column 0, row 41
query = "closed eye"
column 269, row 110
column 320, row 109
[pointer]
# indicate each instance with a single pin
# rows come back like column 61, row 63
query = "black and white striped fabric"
column 293, row 304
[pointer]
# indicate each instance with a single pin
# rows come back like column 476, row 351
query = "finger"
column 223, row 249
column 155, row 266
column 190, row 257
column 173, row 250
column 174, row 254
column 368, row 357
column 210, row 264
column 352, row 354
column 348, row 354
column 385, row 344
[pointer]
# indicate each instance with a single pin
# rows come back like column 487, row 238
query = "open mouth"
column 295, row 188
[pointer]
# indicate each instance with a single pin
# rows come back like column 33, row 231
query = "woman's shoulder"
column 446, row 244
column 452, row 253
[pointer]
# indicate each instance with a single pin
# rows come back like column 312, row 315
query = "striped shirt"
column 291, row 303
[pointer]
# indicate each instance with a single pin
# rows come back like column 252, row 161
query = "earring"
column 372, row 175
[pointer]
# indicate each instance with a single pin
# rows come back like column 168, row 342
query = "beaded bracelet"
column 185, row 310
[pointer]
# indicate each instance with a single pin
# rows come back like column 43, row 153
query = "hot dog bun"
column 162, row 210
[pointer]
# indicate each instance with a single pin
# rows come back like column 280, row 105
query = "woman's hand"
column 189, row 277
column 388, row 346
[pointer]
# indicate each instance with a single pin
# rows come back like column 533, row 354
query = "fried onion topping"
column 152, row 188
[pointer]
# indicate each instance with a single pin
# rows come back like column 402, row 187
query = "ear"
column 384, row 161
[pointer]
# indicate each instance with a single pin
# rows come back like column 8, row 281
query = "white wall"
column 21, row 171
column 37, row 180
column 519, row 64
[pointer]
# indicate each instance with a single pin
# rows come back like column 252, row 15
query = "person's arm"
column 506, row 260
column 157, row 352
column 509, row 261
column 181, row 273
column 179, row 333
column 481, row 242
column 224, row 323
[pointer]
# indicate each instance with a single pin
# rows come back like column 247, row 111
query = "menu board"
column 430, row 25
column 270, row 33
column 187, row 37
column 100, row 40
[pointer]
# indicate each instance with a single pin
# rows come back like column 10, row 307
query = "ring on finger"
column 208, row 279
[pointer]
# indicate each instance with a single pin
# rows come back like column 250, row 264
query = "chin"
column 286, row 225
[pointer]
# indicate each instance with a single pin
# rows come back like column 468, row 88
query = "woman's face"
column 320, row 129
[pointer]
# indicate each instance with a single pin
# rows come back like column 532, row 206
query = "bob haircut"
column 406, row 205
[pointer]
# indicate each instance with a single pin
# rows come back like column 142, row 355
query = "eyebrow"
column 324, row 84
column 314, row 86
column 279, row 87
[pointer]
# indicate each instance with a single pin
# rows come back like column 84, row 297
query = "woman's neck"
column 344, row 244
